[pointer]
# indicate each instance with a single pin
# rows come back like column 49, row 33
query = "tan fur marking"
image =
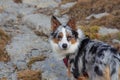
column 68, row 72
column 82, row 78
column 107, row 73
column 56, row 40
column 61, row 34
column 73, row 41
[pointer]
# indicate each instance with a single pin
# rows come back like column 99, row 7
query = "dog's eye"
column 59, row 37
column 69, row 38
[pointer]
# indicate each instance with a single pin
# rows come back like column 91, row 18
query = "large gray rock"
column 105, row 31
column 42, row 3
column 21, row 44
column 25, row 44
column 6, row 70
column 52, row 69
column 38, row 22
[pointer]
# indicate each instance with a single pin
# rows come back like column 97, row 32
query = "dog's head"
column 64, row 38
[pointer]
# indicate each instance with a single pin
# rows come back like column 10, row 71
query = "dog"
column 85, row 58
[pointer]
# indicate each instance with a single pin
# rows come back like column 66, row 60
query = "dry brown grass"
column 4, row 38
column 17, row 1
column 4, row 78
column 29, row 75
column 34, row 59
column 1, row 9
column 85, row 8
column 108, row 21
column 66, row 1
column 40, row 33
column 92, row 32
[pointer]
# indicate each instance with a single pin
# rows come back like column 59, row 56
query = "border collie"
column 85, row 58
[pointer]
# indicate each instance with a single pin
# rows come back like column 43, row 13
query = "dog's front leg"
column 82, row 78
column 69, row 72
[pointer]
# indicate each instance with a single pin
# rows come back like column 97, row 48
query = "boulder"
column 38, row 22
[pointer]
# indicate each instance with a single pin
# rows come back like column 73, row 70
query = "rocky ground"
column 25, row 52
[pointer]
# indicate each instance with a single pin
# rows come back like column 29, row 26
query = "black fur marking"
column 64, row 26
column 105, row 46
column 81, row 49
column 113, row 69
column 116, row 57
column 98, row 71
column 93, row 49
column 113, row 50
column 71, row 61
column 75, row 33
column 54, row 34
column 101, row 53
column 54, row 17
column 84, row 66
column 75, row 73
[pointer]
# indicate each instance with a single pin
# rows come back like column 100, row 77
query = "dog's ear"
column 54, row 23
column 71, row 23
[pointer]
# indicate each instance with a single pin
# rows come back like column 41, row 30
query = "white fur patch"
column 61, row 53
column 64, row 39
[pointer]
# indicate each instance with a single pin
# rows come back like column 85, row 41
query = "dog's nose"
column 64, row 45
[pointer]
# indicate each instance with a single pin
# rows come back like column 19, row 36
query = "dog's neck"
column 83, row 41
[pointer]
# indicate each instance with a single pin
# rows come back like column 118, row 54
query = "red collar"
column 65, row 60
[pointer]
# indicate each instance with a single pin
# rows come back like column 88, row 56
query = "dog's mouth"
column 64, row 49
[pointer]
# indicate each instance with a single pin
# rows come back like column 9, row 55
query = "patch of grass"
column 4, row 78
column 1, row 9
column 35, row 59
column 29, row 75
column 4, row 38
column 91, row 31
column 110, row 37
column 38, row 33
column 118, row 35
column 85, row 8
column 66, row 1
column 17, row 1
column 108, row 21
